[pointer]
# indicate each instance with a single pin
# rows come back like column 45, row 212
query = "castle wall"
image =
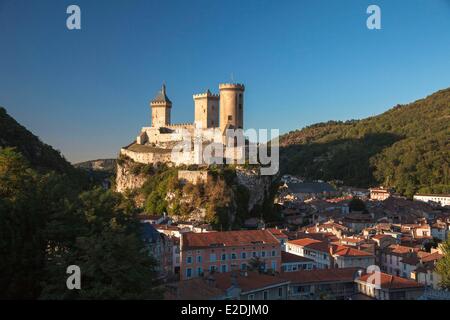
column 193, row 177
column 146, row 157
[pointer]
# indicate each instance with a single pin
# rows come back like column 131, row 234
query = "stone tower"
column 206, row 110
column 161, row 107
column 231, row 106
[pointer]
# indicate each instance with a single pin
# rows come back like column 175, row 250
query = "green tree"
column 443, row 265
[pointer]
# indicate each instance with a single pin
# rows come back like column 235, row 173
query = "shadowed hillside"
column 40, row 155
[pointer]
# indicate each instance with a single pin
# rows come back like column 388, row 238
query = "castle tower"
column 231, row 106
column 206, row 110
column 161, row 107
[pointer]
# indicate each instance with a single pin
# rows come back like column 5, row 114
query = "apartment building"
column 202, row 253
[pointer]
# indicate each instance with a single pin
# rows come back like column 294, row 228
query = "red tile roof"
column 303, row 242
column 344, row 251
column 392, row 282
column 432, row 257
column 311, row 244
column 398, row 250
column 279, row 233
column 381, row 236
column 192, row 240
column 353, row 240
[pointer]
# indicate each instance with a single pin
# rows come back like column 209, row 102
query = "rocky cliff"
column 257, row 185
column 128, row 177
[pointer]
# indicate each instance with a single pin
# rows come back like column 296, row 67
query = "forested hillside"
column 37, row 153
column 52, row 217
column 407, row 147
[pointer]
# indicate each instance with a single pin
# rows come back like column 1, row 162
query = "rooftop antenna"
column 232, row 77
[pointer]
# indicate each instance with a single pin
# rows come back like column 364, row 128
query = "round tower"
column 231, row 105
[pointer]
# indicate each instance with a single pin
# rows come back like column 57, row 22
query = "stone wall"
column 193, row 177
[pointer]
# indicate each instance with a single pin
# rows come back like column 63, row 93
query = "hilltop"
column 406, row 147
column 40, row 155
column 108, row 165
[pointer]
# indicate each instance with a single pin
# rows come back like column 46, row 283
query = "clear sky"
column 86, row 92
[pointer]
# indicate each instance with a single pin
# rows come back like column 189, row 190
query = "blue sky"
column 86, row 92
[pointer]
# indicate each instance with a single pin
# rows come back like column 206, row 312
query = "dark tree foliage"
column 49, row 223
column 357, row 204
column 407, row 147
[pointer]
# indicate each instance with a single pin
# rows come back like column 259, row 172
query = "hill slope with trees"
column 38, row 154
column 51, row 218
column 406, row 147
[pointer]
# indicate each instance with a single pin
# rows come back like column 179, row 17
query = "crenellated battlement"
column 161, row 103
column 177, row 125
column 231, row 86
column 206, row 95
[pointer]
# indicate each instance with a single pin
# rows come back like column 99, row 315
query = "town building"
column 315, row 250
column 380, row 194
column 383, row 286
column 243, row 285
column 160, row 247
column 228, row 251
column 292, row 262
column 439, row 199
column 321, row 284
column 348, row 257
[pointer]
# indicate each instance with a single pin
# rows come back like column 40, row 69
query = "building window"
column 212, row 257
column 263, row 254
column 199, row 271
column 280, row 292
column 243, row 255
column 244, row 266
column 230, row 118
column 224, row 257
column 251, row 297
column 224, row 268
column 274, row 253
column 188, row 272
column 254, row 254
column 274, row 265
column 189, row 259
column 199, row 259
column 233, row 256
column 266, row 295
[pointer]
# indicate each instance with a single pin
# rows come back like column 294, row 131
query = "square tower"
column 206, row 110
column 161, row 107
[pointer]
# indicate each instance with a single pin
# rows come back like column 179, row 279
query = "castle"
column 216, row 115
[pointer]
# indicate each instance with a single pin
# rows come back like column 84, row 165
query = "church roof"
column 161, row 96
